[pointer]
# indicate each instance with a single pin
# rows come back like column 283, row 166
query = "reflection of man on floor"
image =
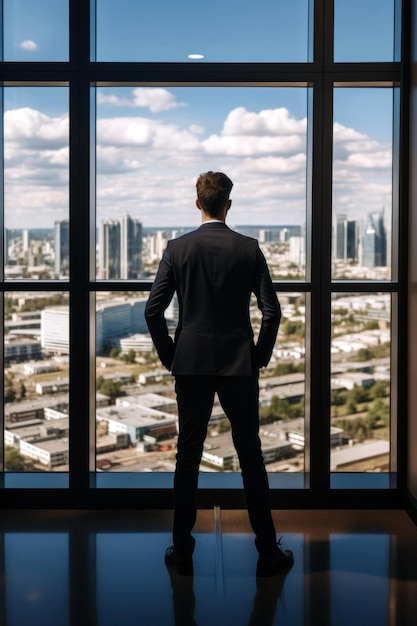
column 214, row 271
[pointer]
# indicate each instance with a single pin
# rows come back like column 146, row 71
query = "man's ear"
column 228, row 205
column 198, row 205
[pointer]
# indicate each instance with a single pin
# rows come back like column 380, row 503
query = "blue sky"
column 152, row 143
column 225, row 30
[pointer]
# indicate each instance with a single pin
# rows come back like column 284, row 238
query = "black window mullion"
column 79, row 443
column 318, row 376
column 320, row 322
column 79, row 39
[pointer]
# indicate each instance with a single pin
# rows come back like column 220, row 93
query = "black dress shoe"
column 180, row 563
column 275, row 561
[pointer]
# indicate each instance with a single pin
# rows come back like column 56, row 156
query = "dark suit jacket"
column 214, row 271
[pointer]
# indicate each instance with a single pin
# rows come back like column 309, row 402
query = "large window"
column 108, row 117
column 226, row 32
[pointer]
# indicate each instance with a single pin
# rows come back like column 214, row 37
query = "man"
column 214, row 271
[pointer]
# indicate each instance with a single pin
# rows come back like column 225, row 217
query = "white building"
column 157, row 245
column 51, row 452
column 137, row 421
column 58, row 385
column 297, row 253
column 114, row 319
column 55, row 329
column 137, row 342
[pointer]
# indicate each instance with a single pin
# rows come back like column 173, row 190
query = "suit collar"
column 217, row 224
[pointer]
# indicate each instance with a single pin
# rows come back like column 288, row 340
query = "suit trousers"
column 239, row 398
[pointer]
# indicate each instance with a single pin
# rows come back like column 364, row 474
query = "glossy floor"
column 107, row 569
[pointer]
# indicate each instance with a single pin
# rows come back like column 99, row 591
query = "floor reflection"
column 36, row 579
column 119, row 578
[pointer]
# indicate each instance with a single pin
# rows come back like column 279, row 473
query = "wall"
column 412, row 306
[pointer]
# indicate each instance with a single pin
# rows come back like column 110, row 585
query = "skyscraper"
column 25, row 240
column 374, row 241
column 120, row 248
column 61, row 248
column 346, row 239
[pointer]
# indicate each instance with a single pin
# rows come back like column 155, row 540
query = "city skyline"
column 126, row 250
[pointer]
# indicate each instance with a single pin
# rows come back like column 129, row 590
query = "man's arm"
column 159, row 298
column 269, row 306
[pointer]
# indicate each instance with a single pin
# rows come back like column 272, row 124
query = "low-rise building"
column 58, row 385
column 137, row 421
column 220, row 452
column 50, row 452
column 18, row 349
column 348, row 456
column 150, row 378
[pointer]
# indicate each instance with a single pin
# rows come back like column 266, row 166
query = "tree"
column 22, row 391
column 351, row 406
column 358, row 394
column 108, row 387
column 13, row 460
column 364, row 354
column 371, row 325
column 378, row 414
column 337, row 398
column 279, row 409
column 114, row 353
column 288, row 368
column 296, row 327
column 9, row 390
column 129, row 357
column 379, row 389
column 224, row 426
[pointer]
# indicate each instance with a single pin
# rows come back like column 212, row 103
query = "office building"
column 297, row 253
column 374, row 241
column 61, row 264
column 115, row 319
column 346, row 239
column 25, row 241
column 118, row 319
column 55, row 330
column 157, row 245
column 120, row 248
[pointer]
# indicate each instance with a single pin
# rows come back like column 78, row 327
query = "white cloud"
column 35, row 128
column 196, row 129
column 29, row 45
column 148, row 167
column 276, row 122
column 155, row 99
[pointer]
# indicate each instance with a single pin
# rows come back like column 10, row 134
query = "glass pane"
column 36, row 381
column 152, row 143
column 363, row 30
column 36, row 579
column 136, row 404
column 36, row 31
column 232, row 31
column 360, row 382
column 36, row 195
column 362, row 184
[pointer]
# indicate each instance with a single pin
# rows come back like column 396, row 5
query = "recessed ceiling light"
column 196, row 56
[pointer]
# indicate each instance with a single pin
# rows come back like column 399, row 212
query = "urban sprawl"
column 136, row 413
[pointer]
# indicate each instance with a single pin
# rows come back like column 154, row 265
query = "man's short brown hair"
column 213, row 190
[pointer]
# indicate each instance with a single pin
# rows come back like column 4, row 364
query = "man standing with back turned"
column 214, row 271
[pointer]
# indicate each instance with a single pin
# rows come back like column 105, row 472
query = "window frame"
column 321, row 75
